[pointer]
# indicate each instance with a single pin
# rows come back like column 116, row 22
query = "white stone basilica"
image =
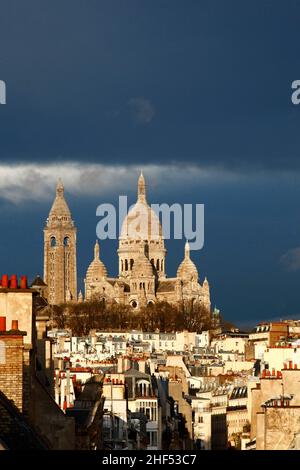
column 142, row 259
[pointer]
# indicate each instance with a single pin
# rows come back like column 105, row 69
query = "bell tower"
column 60, row 271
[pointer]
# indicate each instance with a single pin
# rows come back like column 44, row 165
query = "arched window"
column 126, row 265
column 157, row 265
column 122, row 265
column 131, row 264
column 66, row 241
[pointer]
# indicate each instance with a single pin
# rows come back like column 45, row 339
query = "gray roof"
column 136, row 373
column 166, row 286
column 38, row 281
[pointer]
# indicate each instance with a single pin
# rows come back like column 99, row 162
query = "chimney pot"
column 13, row 284
column 23, row 282
column 2, row 323
column 5, row 281
column 14, row 325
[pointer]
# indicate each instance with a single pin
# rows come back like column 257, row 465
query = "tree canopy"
column 95, row 314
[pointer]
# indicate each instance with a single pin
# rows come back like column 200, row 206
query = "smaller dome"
column 96, row 269
column 187, row 269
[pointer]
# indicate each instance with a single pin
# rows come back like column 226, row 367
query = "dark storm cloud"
column 210, row 79
column 198, row 94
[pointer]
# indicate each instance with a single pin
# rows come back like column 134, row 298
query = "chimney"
column 120, row 365
column 127, row 364
column 2, row 324
column 290, row 364
column 142, row 366
column 11, row 363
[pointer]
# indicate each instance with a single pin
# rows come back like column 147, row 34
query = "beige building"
column 23, row 346
column 275, row 405
column 60, row 273
column 142, row 275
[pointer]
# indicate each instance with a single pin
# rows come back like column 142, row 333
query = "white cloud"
column 24, row 182
column 291, row 259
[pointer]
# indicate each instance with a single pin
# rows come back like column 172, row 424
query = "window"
column 152, row 438
column 52, row 241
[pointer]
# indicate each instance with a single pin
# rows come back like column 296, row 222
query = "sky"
column 197, row 94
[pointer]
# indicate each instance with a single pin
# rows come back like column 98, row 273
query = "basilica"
column 142, row 277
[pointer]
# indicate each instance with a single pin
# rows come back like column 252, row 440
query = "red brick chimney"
column 11, row 362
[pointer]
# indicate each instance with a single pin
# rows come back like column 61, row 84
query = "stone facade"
column 142, row 260
column 278, row 428
column 60, row 272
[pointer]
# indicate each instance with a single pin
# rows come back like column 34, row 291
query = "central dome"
column 141, row 222
column 141, row 228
